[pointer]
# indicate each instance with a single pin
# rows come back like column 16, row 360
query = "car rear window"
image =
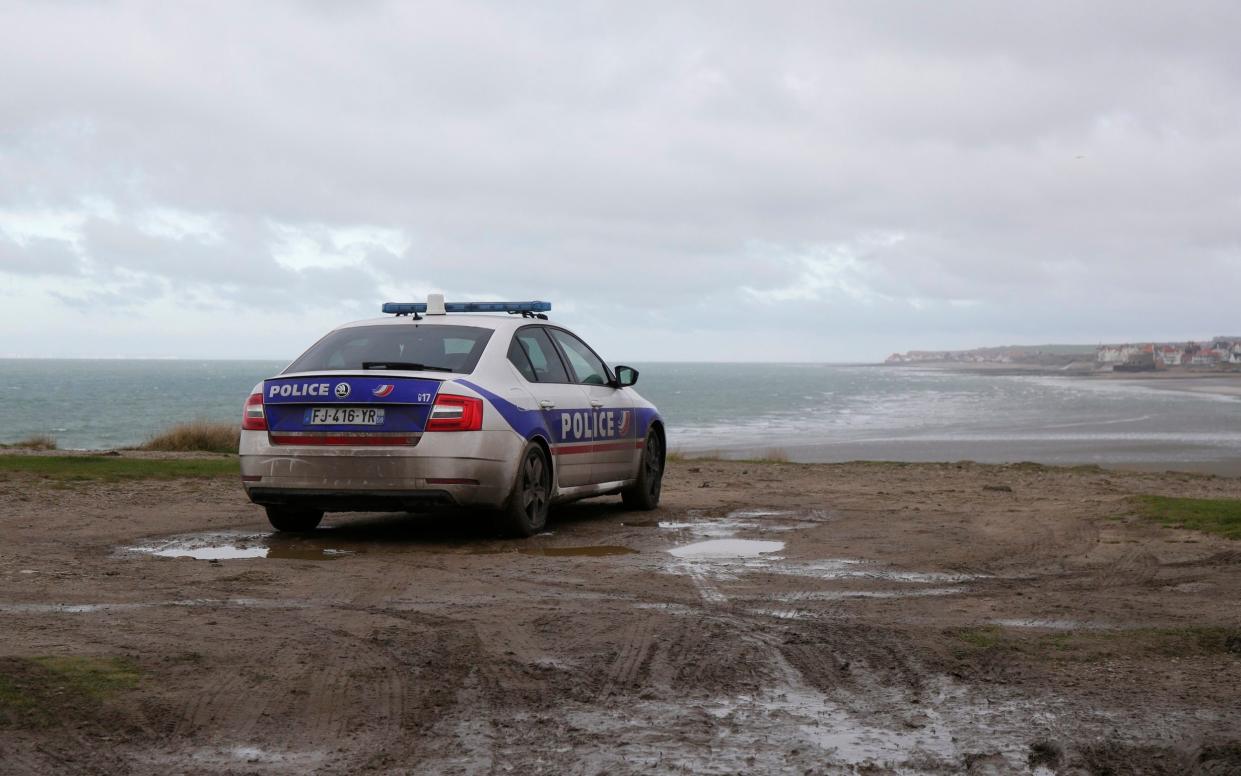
column 436, row 347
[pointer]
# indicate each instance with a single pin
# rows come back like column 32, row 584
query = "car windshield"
column 436, row 348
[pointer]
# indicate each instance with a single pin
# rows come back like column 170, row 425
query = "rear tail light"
column 253, row 418
column 455, row 413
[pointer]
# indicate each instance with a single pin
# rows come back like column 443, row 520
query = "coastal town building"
column 1204, row 357
column 1169, row 355
column 1218, row 352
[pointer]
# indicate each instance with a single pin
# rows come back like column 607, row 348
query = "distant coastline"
column 1218, row 356
column 1218, row 382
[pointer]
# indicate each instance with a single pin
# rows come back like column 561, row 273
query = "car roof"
column 498, row 322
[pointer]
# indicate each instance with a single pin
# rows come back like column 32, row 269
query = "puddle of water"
column 66, row 608
column 784, row 614
column 720, row 529
column 225, row 545
column 743, row 513
column 850, row 739
column 733, row 523
column 305, row 553
column 1064, row 625
column 836, row 595
column 236, row 546
column 228, row 758
column 666, row 607
column 729, row 527
column 206, row 553
column 726, row 549
column 849, row 568
column 257, row 603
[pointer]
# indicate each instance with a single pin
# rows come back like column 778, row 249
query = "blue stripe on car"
column 549, row 423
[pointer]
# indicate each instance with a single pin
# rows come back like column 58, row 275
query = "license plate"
column 344, row 416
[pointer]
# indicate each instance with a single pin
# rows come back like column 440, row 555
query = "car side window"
column 587, row 368
column 517, row 356
column 543, row 364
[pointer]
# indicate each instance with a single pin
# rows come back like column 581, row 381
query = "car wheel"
column 291, row 519
column 525, row 513
column 644, row 494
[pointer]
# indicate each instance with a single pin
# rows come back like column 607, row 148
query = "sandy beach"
column 1218, row 384
column 931, row 618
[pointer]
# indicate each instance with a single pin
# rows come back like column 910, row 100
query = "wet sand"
column 1209, row 382
column 783, row 618
column 1224, row 384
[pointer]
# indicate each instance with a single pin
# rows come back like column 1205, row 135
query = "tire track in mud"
column 432, row 658
column 230, row 705
column 636, row 644
column 1136, row 567
column 720, row 657
column 336, row 685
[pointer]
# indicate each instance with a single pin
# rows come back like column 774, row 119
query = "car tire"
column 293, row 520
column 644, row 493
column 525, row 512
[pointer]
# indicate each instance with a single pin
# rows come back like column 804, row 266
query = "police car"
column 449, row 404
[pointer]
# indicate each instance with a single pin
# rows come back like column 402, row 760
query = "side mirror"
column 626, row 375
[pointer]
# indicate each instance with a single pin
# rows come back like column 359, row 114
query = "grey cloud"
column 37, row 256
column 1063, row 165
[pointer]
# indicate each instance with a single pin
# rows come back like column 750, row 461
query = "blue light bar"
column 406, row 308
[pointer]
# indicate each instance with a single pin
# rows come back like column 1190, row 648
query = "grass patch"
column 1220, row 516
column 15, row 703
column 42, row 691
column 980, row 638
column 34, row 442
column 91, row 676
column 84, row 468
column 195, row 436
column 1182, row 642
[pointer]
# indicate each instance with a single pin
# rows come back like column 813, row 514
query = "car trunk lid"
column 348, row 408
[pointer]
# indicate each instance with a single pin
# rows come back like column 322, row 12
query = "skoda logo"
column 342, row 390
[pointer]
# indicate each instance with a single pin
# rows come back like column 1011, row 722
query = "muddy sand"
column 775, row 618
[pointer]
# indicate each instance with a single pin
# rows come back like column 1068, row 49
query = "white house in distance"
column 1217, row 351
column 1204, row 357
column 1169, row 355
column 1116, row 354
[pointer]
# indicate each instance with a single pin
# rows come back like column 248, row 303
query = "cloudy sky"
column 760, row 181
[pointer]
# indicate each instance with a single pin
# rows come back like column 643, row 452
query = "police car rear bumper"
column 464, row 469
column 353, row 501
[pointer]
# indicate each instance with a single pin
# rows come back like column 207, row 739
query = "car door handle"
column 596, row 404
column 545, row 404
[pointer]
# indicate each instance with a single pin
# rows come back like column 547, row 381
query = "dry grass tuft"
column 198, row 435
column 34, row 442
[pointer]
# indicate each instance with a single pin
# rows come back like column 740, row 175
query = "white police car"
column 425, row 409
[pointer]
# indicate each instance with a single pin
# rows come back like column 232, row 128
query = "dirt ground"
column 857, row 618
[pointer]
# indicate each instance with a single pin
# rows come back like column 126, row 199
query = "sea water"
column 806, row 412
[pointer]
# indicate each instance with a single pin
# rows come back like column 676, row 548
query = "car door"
column 612, row 427
column 559, row 397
